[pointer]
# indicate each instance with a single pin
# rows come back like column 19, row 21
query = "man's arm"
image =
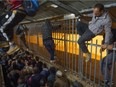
column 108, row 33
column 108, row 47
column 55, row 27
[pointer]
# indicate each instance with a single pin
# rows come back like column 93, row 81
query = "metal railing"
column 71, row 58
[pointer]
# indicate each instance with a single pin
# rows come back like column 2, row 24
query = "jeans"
column 85, row 34
column 23, row 39
column 49, row 45
column 106, row 71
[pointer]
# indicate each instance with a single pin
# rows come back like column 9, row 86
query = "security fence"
column 69, row 55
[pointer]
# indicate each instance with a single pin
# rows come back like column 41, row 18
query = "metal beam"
column 66, row 7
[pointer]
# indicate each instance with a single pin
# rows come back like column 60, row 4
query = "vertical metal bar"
column 95, row 62
column 106, row 69
column 86, row 66
column 69, row 27
column 72, row 45
column 66, row 44
column 113, row 66
column 29, row 39
column 91, row 61
column 76, row 46
column 79, row 56
column 82, row 64
column 99, row 70
column 58, row 42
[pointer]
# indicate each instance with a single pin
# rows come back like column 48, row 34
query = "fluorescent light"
column 54, row 6
column 69, row 16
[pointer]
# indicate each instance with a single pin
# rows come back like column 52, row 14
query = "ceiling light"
column 54, row 6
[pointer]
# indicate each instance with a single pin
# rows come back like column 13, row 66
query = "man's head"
column 98, row 9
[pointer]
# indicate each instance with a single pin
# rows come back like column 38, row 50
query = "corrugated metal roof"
column 70, row 6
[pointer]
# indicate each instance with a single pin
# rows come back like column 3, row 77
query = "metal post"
column 113, row 65
column 86, row 66
column 99, row 70
column 91, row 61
column 106, row 69
column 95, row 62
column 66, row 44
column 69, row 27
column 75, row 50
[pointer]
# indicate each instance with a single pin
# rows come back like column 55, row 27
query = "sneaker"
column 52, row 61
column 12, row 49
column 88, row 57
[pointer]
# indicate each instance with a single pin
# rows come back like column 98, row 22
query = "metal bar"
column 113, row 65
column 100, row 71
column 72, row 45
column 91, row 62
column 29, row 39
column 86, row 66
column 82, row 62
column 64, row 42
column 79, row 57
column 75, row 50
column 106, row 69
column 66, row 47
column 95, row 62
column 69, row 25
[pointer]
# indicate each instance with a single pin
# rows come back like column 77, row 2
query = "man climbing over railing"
column 16, row 12
column 11, row 18
column 100, row 22
column 48, row 42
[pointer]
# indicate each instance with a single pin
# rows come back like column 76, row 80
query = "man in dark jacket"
column 106, row 62
column 47, row 37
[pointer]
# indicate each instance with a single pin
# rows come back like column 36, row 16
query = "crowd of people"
column 22, row 69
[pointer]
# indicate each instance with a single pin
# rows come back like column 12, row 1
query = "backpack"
column 31, row 7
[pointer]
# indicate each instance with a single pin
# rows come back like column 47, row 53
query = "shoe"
column 52, row 61
column 12, row 49
column 88, row 57
column 29, row 51
column 4, row 44
column 55, row 57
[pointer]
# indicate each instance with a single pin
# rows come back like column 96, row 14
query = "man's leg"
column 81, row 28
column 88, row 35
column 106, row 69
column 10, row 20
column 50, row 48
column 22, row 37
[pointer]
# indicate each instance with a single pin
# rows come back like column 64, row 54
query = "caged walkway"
column 71, row 59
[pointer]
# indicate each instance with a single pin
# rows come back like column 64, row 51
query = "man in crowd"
column 106, row 62
column 100, row 22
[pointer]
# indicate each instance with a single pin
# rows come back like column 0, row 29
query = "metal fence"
column 70, row 57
